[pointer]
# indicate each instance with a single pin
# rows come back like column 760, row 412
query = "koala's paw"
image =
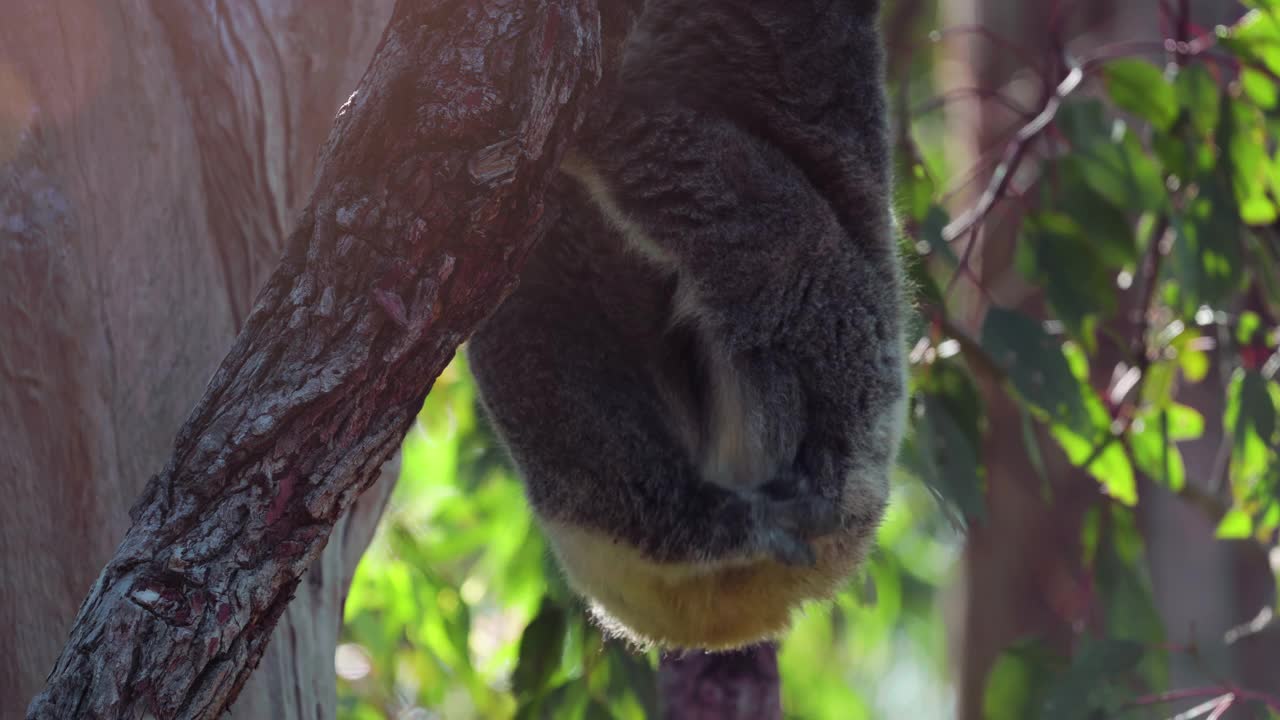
column 785, row 527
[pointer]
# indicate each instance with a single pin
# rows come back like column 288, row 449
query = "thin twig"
column 1212, row 691
column 954, row 94
column 968, row 223
column 1181, row 48
column 1022, row 54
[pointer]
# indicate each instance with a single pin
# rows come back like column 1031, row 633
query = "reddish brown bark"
column 426, row 203
column 740, row 685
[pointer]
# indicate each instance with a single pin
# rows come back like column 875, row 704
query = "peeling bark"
column 426, row 203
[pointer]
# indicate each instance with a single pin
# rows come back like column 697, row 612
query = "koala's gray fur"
column 704, row 360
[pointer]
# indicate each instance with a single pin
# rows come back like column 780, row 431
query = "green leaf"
column 934, row 222
column 568, row 699
column 1183, row 153
column 1159, row 384
column 1235, row 525
column 597, row 711
column 1260, row 88
column 1198, row 94
column 1124, row 587
column 1032, row 445
column 915, row 189
column 1207, row 256
column 1242, row 135
column 1248, row 325
column 1194, row 363
column 1256, row 38
column 1036, row 366
column 1270, row 519
column 1018, row 682
column 1265, row 263
column 1250, row 417
column 940, row 452
column 1154, row 451
column 541, row 647
column 1185, row 423
column 1106, row 462
column 1111, row 159
column 1108, row 229
column 945, row 442
column 1141, row 88
column 1052, row 379
column 1097, row 665
column 1055, row 253
column 632, row 674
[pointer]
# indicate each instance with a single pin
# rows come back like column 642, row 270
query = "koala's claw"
column 810, row 517
column 787, row 526
column 790, row 550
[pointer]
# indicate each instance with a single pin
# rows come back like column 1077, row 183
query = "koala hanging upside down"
column 701, row 377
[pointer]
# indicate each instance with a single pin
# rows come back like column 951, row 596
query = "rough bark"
column 740, row 685
column 425, row 206
column 151, row 155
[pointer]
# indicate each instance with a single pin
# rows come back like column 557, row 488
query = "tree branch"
column 427, row 201
column 738, row 685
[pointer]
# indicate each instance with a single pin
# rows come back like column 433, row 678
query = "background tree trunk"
column 1022, row 572
column 1021, row 567
column 152, row 158
column 428, row 198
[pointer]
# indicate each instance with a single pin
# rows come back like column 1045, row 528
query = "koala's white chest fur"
column 580, row 169
column 729, row 449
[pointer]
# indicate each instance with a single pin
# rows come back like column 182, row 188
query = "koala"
column 701, row 376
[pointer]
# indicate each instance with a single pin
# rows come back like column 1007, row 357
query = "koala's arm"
column 726, row 213
column 749, row 154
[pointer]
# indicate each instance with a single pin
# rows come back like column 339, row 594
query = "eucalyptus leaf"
column 1141, row 88
column 540, row 649
column 1036, row 367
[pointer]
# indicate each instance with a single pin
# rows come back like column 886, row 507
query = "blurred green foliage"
column 1159, row 179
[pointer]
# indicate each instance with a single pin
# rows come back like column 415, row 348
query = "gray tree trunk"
column 152, row 158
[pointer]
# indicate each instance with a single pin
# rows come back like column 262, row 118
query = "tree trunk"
column 426, row 203
column 1022, row 574
column 151, row 157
